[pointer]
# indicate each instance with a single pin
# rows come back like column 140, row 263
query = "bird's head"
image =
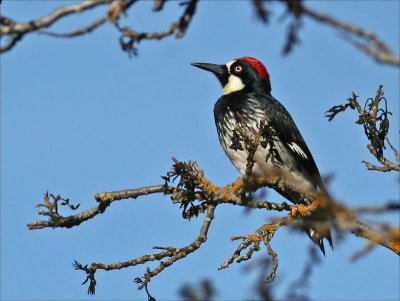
column 244, row 72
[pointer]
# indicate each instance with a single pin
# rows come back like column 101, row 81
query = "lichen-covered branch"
column 321, row 210
column 170, row 254
column 252, row 242
column 194, row 191
column 188, row 187
column 104, row 199
column 374, row 117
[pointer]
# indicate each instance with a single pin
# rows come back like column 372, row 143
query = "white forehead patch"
column 228, row 65
column 234, row 82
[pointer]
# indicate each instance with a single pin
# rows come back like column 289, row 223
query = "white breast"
column 239, row 157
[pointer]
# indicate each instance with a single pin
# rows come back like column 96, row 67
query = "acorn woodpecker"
column 247, row 104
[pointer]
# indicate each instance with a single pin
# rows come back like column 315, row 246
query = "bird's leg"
column 246, row 195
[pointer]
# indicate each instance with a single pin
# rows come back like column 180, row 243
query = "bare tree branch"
column 48, row 20
column 15, row 31
column 78, row 32
column 104, row 199
column 389, row 207
column 370, row 43
column 130, row 37
column 364, row 40
column 174, row 254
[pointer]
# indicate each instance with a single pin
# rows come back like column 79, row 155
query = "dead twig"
column 173, row 255
column 368, row 42
column 374, row 117
column 130, row 37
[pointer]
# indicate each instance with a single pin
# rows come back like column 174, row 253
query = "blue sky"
column 78, row 117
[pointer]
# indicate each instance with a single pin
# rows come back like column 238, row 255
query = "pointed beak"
column 220, row 71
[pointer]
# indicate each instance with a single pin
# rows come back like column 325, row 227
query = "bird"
column 247, row 104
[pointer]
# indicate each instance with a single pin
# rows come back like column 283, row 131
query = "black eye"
column 238, row 69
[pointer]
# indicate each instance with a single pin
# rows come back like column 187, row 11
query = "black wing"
column 290, row 136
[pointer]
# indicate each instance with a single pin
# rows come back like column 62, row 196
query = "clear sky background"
column 78, row 117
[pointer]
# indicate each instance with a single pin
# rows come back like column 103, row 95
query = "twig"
column 78, row 32
column 174, row 254
column 248, row 240
column 203, row 290
column 48, row 20
column 130, row 37
column 104, row 199
column 388, row 239
column 299, row 287
column 261, row 11
column 108, row 197
column 391, row 206
column 265, row 234
column 272, row 274
column 12, row 40
column 368, row 248
column 375, row 119
column 15, row 31
column 372, row 45
column 158, row 5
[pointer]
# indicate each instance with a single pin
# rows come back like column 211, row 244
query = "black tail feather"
column 316, row 230
column 317, row 236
